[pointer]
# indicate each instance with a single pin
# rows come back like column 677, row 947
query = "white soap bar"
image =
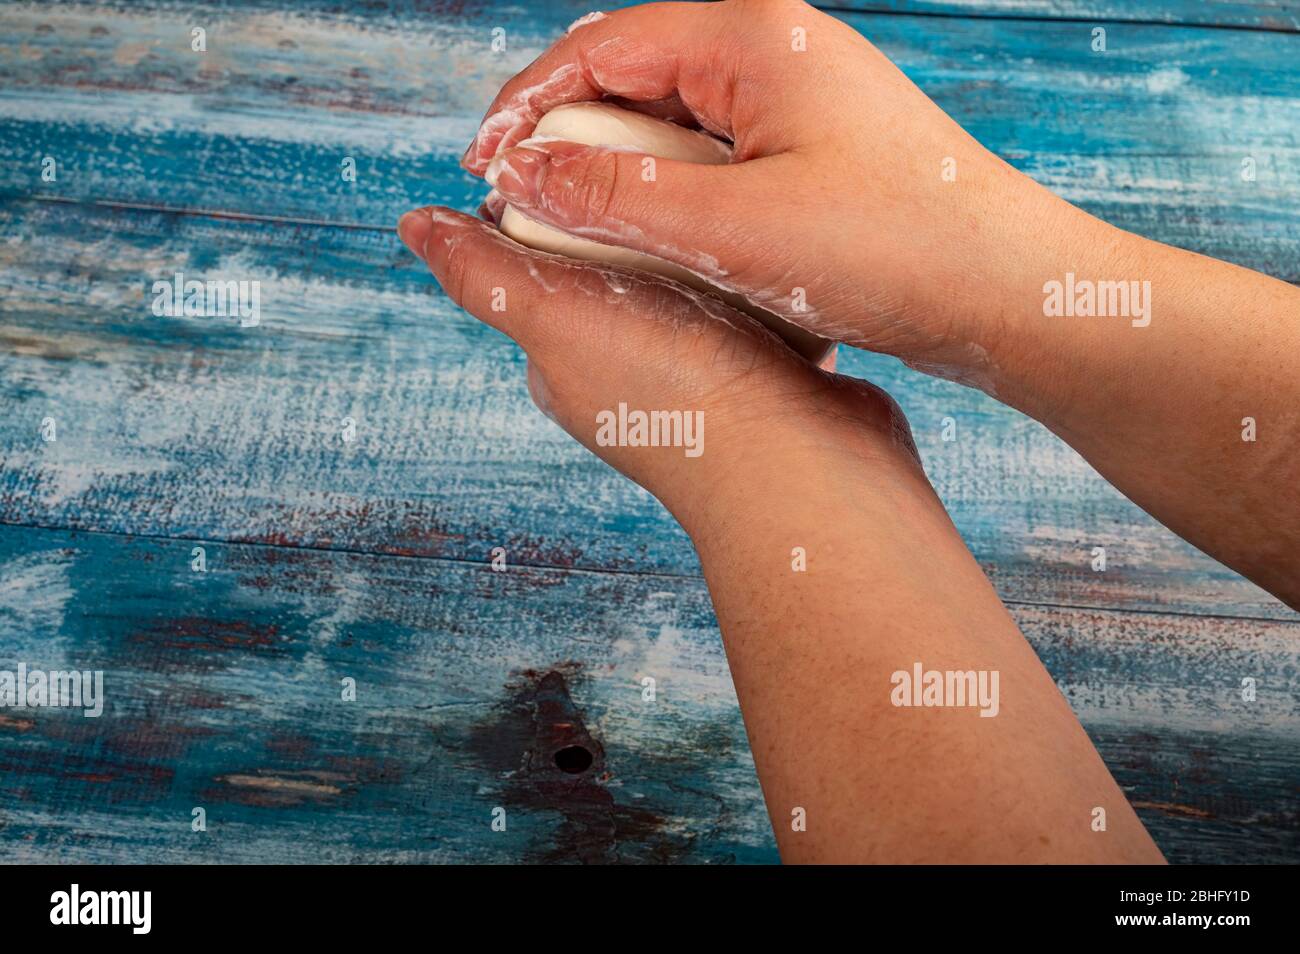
column 600, row 124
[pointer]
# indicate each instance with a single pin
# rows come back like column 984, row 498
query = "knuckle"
column 595, row 188
column 763, row 8
column 457, row 269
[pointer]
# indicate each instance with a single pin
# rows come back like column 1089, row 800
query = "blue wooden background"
column 369, row 559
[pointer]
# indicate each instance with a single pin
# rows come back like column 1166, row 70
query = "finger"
column 492, row 208
column 551, row 305
column 463, row 253
column 540, row 391
column 671, row 109
column 612, row 196
column 646, row 53
column 829, row 362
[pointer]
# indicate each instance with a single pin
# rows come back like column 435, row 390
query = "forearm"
column 889, row 585
column 1189, row 407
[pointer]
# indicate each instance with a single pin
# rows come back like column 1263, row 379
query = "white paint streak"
column 35, row 590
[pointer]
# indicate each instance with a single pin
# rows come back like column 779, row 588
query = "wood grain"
column 1275, row 15
column 1150, row 135
column 223, row 692
column 368, row 558
column 196, row 427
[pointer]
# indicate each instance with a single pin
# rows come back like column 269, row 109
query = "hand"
column 798, row 460
column 598, row 337
column 836, row 186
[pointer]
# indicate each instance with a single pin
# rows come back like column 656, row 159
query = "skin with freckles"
column 837, row 187
column 912, row 239
column 804, row 149
column 612, row 127
column 798, row 456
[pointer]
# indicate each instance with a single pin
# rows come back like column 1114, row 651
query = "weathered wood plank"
column 1274, row 15
column 223, row 692
column 1150, row 135
column 195, row 427
column 222, row 686
column 1182, row 677
column 1277, row 15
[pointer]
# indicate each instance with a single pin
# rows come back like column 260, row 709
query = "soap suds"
column 523, row 110
column 976, row 371
column 583, row 20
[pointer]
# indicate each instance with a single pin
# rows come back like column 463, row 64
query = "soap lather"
column 601, row 124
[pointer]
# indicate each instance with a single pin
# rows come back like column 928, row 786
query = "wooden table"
column 329, row 559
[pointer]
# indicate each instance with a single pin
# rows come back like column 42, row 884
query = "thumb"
column 654, row 206
column 621, row 197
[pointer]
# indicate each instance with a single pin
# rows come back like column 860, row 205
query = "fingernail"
column 470, row 154
column 493, row 207
column 414, row 229
column 517, row 174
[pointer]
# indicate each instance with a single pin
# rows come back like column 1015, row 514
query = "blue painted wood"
column 1272, row 15
column 1275, row 15
column 197, row 427
column 224, row 692
column 1150, row 135
column 365, row 558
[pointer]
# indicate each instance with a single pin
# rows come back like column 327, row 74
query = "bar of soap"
column 600, row 124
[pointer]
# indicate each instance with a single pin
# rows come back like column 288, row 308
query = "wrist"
column 1032, row 351
column 975, row 277
column 789, row 468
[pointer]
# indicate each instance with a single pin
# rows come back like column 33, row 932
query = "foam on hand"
column 600, row 124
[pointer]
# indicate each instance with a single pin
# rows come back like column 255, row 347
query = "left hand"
column 598, row 336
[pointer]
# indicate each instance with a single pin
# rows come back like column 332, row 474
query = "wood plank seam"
column 587, row 570
column 864, row 11
column 221, row 214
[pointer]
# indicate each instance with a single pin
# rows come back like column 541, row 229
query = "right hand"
column 598, row 337
column 836, row 185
